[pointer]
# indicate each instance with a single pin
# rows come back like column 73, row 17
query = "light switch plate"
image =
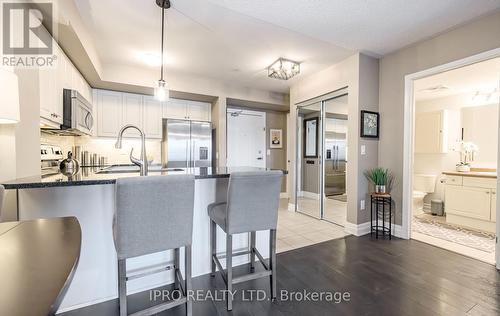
column 269, row 152
column 362, row 205
column 363, row 150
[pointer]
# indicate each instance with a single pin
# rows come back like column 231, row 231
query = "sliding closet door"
column 309, row 152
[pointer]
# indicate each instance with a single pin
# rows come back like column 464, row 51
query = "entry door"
column 246, row 138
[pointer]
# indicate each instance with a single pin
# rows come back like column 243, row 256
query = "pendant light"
column 161, row 90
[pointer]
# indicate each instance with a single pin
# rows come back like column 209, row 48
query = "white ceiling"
column 234, row 41
column 483, row 77
column 202, row 39
column 373, row 26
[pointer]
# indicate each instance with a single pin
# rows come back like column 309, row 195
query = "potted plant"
column 467, row 151
column 381, row 178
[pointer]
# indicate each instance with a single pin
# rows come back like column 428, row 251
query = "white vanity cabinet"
column 471, row 201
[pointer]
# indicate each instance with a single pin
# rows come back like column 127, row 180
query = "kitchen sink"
column 134, row 168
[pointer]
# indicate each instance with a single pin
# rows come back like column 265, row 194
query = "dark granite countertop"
column 92, row 176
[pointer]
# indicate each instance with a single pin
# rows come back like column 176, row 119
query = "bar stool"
column 252, row 205
column 154, row 214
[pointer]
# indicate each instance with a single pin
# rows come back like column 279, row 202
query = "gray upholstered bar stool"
column 252, row 205
column 154, row 214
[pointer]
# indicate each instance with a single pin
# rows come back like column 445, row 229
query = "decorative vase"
column 380, row 189
column 463, row 168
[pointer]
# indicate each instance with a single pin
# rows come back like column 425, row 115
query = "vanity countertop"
column 479, row 174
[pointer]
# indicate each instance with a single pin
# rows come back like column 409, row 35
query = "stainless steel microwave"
column 77, row 113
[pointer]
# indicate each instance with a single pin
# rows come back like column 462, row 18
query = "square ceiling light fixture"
column 283, row 69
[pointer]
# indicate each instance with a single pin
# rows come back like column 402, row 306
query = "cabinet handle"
column 493, row 193
column 488, row 192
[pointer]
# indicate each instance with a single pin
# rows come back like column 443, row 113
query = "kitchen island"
column 89, row 196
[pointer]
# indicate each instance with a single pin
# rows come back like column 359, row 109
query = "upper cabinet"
column 52, row 81
column 152, row 117
column 437, row 131
column 109, row 113
column 116, row 109
column 187, row 110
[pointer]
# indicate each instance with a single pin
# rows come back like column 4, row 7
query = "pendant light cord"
column 162, row 36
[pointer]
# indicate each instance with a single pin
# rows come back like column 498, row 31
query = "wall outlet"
column 363, row 150
column 362, row 205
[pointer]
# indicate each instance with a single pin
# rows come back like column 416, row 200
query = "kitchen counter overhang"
column 93, row 176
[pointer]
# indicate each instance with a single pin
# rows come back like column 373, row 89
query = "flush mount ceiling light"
column 283, row 69
column 492, row 95
column 437, row 88
column 161, row 89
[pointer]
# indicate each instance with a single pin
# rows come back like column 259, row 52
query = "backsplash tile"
column 104, row 146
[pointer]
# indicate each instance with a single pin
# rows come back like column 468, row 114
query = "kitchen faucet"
column 143, row 162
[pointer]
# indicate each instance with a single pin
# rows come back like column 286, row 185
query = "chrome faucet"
column 143, row 162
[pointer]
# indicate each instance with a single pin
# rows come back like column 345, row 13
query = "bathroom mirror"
column 311, row 137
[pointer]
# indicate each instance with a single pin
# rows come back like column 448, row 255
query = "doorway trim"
column 409, row 129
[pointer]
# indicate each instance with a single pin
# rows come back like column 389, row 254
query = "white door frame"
column 409, row 128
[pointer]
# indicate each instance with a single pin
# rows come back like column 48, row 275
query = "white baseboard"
column 283, row 195
column 291, row 207
column 364, row 228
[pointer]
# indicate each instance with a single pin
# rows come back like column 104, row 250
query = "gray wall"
column 470, row 39
column 277, row 159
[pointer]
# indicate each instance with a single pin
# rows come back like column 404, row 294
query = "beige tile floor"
column 335, row 211
column 297, row 230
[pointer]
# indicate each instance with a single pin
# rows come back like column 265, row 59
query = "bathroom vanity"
column 470, row 199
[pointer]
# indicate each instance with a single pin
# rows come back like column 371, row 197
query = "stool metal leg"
column 177, row 266
column 229, row 268
column 188, row 285
column 213, row 245
column 272, row 262
column 122, row 286
column 252, row 252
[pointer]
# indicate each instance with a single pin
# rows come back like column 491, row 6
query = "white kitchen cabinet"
column 429, row 136
column 116, row 109
column 152, row 117
column 198, row 111
column 52, row 81
column 176, row 109
column 132, row 112
column 110, row 113
column 187, row 110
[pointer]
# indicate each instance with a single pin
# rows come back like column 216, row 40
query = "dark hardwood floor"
column 396, row 277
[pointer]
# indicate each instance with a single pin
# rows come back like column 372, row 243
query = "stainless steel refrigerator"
column 186, row 144
column 335, row 157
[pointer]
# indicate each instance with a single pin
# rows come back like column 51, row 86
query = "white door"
column 246, row 138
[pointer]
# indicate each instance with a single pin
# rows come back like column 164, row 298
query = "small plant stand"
column 379, row 203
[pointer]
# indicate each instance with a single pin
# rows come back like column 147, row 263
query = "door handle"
column 259, row 158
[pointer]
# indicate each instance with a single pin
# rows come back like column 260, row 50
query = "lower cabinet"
column 494, row 206
column 471, row 201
